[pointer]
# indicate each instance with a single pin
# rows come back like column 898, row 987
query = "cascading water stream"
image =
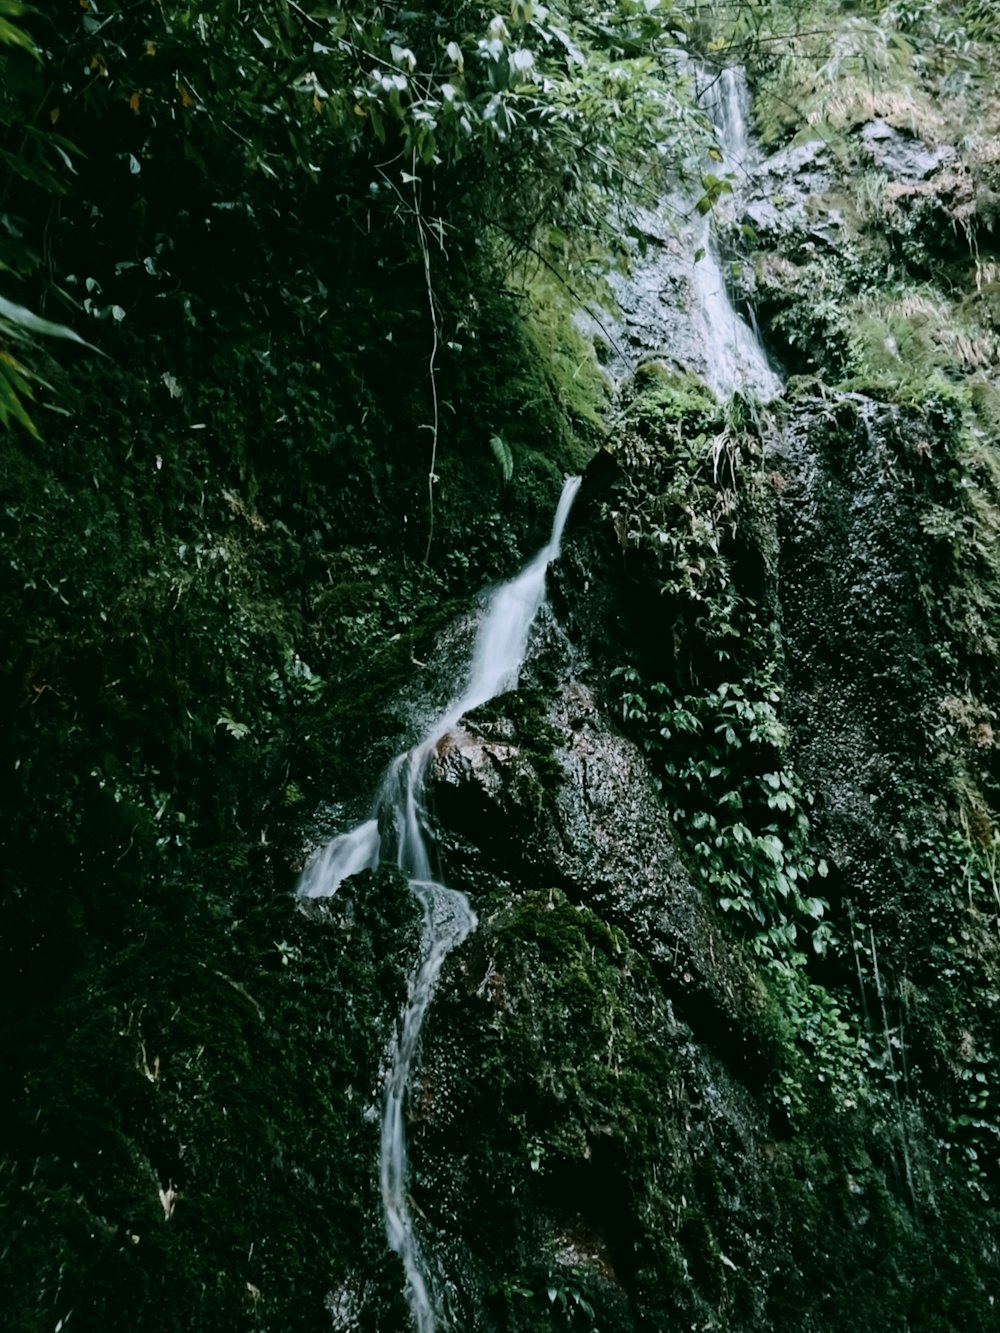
column 673, row 303
column 399, row 822
column 736, row 359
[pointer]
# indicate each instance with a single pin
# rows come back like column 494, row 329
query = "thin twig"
column 893, row 1080
column 425, row 254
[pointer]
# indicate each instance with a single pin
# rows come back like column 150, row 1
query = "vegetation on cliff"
column 287, row 373
column 275, row 400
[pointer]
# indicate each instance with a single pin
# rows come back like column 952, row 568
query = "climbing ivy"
column 693, row 506
column 718, row 757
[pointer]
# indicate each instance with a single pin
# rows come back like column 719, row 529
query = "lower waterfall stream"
column 398, row 830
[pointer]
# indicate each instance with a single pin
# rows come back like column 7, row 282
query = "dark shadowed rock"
column 590, row 820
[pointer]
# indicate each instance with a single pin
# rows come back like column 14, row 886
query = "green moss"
column 523, row 713
column 204, row 1121
column 548, row 1066
column 578, row 384
column 658, row 398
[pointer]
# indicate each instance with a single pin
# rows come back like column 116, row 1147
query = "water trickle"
column 673, row 307
column 736, row 359
column 398, row 826
column 725, row 96
column 448, row 919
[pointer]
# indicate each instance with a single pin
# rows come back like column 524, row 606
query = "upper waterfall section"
column 735, row 358
column 674, row 301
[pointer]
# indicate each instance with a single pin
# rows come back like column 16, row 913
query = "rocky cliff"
column 721, row 1051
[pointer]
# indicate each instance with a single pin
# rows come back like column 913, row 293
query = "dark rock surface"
column 902, row 156
column 854, row 618
column 597, row 829
column 777, row 199
column 594, row 938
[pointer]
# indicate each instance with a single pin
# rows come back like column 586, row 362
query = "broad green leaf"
column 502, row 453
column 26, row 319
column 238, row 730
column 11, row 35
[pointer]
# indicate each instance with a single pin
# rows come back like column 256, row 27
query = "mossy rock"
column 657, row 394
column 553, row 1077
column 204, row 1129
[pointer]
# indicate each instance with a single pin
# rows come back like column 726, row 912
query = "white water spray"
column 399, row 821
column 736, row 359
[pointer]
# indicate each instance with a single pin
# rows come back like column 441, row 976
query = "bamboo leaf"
column 27, row 320
column 14, row 386
column 11, row 35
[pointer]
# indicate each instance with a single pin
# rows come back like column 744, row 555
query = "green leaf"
column 236, row 729
column 11, row 35
column 772, row 847
column 13, row 387
column 502, row 453
column 26, row 319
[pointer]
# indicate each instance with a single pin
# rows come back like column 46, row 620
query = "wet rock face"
column 557, row 1086
column 792, row 196
column 656, row 297
column 647, row 1178
column 612, row 841
column 854, row 618
column 778, row 194
column 590, row 820
column 832, row 223
column 569, row 1072
column 601, row 822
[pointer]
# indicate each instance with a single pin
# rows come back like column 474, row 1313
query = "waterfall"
column 399, row 821
column 736, row 359
column 673, row 307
